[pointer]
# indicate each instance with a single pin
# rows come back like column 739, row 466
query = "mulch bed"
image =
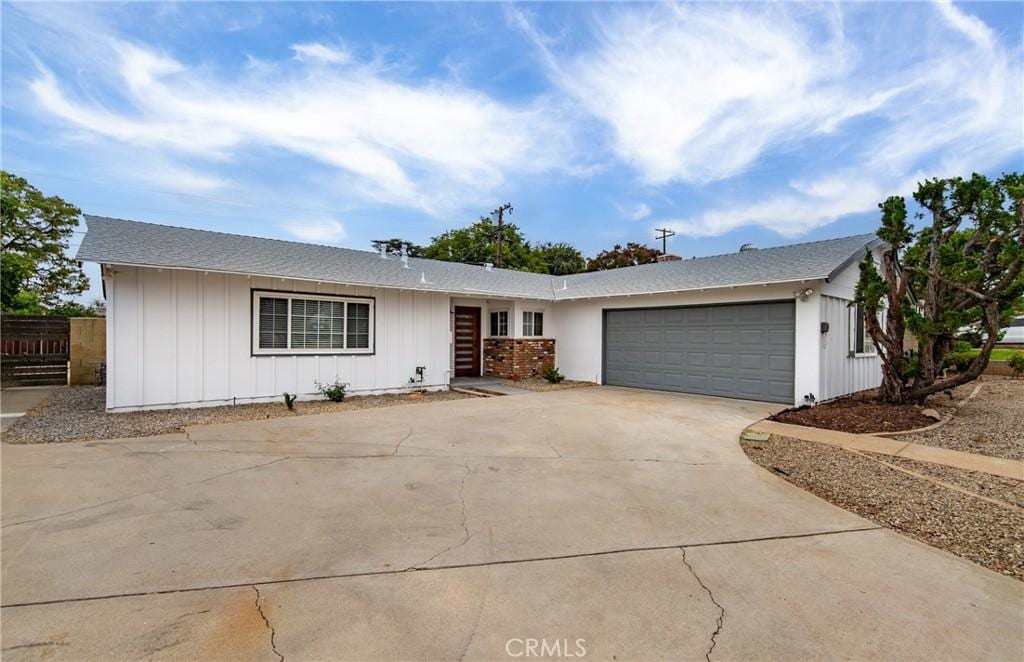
column 857, row 416
column 78, row 413
column 987, row 533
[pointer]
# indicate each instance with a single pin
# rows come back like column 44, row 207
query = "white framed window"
column 860, row 339
column 499, row 323
column 287, row 323
column 533, row 323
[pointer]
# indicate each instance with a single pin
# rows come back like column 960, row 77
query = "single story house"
column 204, row 318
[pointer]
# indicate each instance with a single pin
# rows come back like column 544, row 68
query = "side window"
column 533, row 323
column 499, row 323
column 860, row 339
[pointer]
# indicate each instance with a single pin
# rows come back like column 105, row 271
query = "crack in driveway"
column 465, row 528
column 454, row 566
column 721, row 610
column 273, row 634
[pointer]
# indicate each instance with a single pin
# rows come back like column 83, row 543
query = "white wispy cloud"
column 325, row 231
column 704, row 92
column 429, row 145
column 316, row 51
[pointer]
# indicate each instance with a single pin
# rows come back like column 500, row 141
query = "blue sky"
column 342, row 123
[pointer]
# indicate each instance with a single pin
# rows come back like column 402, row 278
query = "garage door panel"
column 723, row 360
column 750, row 386
column 698, row 336
column 751, row 337
column 674, row 315
column 780, row 337
column 749, row 361
column 741, row 350
column 723, row 313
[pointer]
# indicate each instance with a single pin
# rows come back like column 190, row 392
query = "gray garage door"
column 737, row 351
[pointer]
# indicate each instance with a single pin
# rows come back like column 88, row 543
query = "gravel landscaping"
column 986, row 533
column 77, row 413
column 991, row 423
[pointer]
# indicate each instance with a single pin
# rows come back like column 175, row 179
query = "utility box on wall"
column 88, row 349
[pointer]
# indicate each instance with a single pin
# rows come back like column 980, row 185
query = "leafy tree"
column 395, row 246
column 963, row 268
column 72, row 309
column 35, row 232
column 477, row 244
column 561, row 258
column 630, row 256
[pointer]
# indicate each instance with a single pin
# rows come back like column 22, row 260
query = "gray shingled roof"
column 121, row 242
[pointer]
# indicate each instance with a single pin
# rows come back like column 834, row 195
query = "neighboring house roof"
column 130, row 243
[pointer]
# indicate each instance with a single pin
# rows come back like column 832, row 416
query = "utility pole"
column 665, row 233
column 499, row 215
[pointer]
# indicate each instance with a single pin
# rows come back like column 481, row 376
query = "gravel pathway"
column 990, row 424
column 77, row 413
column 986, row 533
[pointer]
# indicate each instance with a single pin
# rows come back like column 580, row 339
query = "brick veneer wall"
column 518, row 358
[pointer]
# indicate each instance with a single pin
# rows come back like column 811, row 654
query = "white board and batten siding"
column 841, row 372
column 183, row 338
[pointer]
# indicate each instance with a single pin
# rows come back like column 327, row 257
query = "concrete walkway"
column 863, row 442
column 628, row 521
column 489, row 385
column 14, row 402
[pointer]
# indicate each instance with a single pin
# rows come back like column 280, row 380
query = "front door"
column 467, row 342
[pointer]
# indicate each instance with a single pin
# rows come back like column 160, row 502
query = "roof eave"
column 683, row 290
column 874, row 243
column 409, row 288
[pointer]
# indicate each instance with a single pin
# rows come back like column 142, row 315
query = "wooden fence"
column 34, row 350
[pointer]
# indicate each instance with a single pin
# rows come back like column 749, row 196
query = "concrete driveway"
column 621, row 523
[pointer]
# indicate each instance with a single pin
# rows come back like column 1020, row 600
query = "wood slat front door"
column 467, row 342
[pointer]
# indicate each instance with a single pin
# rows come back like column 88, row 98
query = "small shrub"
column 289, row 400
column 973, row 338
column 334, row 391
column 1016, row 363
column 958, row 360
column 961, row 346
column 553, row 375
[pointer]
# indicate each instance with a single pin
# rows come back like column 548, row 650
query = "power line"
column 500, row 211
column 665, row 233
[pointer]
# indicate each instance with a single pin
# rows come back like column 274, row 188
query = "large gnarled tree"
column 964, row 268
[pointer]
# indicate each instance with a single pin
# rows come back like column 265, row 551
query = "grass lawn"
column 1001, row 354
